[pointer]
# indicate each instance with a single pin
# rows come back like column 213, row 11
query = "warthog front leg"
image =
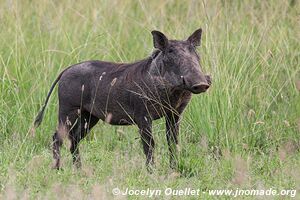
column 145, row 130
column 172, row 130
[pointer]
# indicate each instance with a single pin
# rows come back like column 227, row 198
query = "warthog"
column 137, row 93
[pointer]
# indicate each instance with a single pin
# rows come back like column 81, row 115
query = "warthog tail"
column 39, row 118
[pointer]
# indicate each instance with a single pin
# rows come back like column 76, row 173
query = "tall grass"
column 252, row 110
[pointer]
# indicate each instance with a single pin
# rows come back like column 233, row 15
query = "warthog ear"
column 160, row 41
column 195, row 38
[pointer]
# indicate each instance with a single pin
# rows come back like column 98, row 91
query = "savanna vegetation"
column 243, row 133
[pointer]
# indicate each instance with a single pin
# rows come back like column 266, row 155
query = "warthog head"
column 178, row 62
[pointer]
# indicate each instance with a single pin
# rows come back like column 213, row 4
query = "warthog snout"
column 202, row 85
column 198, row 88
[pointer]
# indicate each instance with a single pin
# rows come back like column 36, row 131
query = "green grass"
column 243, row 133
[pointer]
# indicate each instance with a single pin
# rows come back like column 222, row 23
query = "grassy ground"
column 243, row 133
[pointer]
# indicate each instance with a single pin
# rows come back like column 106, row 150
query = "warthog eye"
column 170, row 51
